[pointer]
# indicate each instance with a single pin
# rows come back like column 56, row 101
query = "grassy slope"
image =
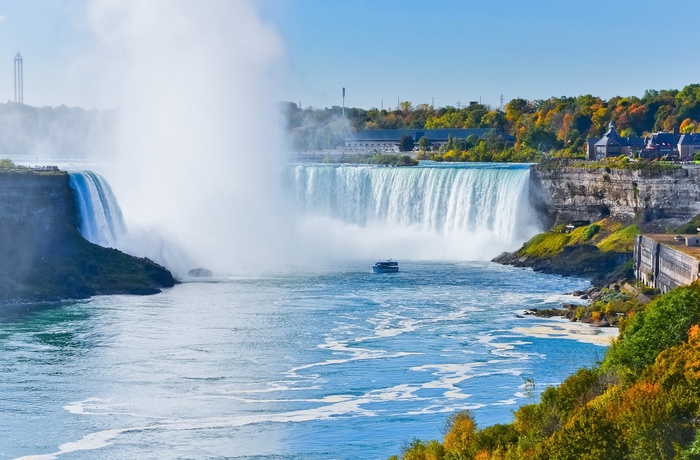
column 600, row 251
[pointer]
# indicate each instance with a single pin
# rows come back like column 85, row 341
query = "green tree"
column 406, row 144
column 6, row 163
column 424, row 144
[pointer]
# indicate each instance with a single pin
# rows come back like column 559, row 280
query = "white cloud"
column 3, row 18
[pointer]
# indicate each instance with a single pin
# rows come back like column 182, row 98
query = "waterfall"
column 465, row 211
column 429, row 212
column 101, row 220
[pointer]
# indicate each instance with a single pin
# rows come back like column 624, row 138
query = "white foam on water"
column 92, row 441
column 562, row 328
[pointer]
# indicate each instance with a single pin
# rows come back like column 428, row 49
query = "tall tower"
column 19, row 79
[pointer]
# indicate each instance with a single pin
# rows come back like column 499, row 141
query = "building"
column 612, row 145
column 667, row 261
column 688, row 146
column 387, row 140
column 664, row 144
column 660, row 145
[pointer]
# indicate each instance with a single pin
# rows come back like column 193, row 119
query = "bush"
column 6, row 164
column 590, row 232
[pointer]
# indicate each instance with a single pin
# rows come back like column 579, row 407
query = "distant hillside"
column 42, row 133
column 558, row 125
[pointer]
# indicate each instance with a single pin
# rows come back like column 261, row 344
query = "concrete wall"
column 661, row 266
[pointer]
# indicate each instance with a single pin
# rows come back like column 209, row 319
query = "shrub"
column 590, row 232
column 420, row 450
column 496, row 436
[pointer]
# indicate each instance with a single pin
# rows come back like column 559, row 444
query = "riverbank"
column 600, row 251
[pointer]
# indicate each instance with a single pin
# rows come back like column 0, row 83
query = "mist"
column 199, row 140
column 199, row 155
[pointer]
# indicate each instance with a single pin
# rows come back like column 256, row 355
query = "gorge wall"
column 43, row 257
column 564, row 193
column 35, row 207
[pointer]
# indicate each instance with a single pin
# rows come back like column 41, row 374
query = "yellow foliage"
column 621, row 240
column 692, row 365
column 687, row 126
column 450, row 155
column 459, row 440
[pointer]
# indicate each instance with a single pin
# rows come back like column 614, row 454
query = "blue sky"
column 382, row 51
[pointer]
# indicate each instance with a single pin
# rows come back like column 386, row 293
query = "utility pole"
column 343, row 101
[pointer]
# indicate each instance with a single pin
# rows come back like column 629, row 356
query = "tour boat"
column 386, row 267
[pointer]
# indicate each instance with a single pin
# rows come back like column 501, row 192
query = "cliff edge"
column 653, row 196
column 43, row 257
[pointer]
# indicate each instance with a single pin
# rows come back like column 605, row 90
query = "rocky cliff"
column 35, row 207
column 44, row 257
column 564, row 193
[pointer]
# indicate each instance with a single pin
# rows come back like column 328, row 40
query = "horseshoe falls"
column 429, row 212
column 452, row 212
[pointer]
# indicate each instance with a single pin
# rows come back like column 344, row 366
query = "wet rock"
column 200, row 273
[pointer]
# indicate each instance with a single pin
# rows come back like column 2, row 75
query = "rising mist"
column 199, row 143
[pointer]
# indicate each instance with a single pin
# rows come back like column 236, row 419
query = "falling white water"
column 101, row 220
column 200, row 156
column 465, row 212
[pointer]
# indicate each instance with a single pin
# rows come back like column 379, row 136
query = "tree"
column 406, row 144
column 460, row 435
column 687, row 126
column 6, row 163
column 540, row 139
column 424, row 144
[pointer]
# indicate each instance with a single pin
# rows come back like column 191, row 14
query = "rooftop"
column 670, row 240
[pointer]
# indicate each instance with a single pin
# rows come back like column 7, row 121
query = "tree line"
column 557, row 127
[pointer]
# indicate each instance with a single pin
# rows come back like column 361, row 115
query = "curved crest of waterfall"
column 450, row 202
column 101, row 220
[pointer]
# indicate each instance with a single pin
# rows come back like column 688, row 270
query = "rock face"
column 44, row 257
column 564, row 194
column 35, row 206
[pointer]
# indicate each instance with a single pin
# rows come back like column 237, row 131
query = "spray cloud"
column 199, row 139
